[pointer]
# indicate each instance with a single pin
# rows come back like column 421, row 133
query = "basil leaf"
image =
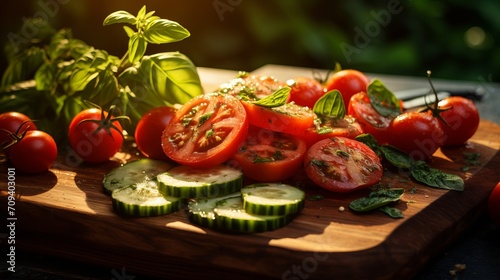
column 392, row 212
column 396, row 157
column 376, row 199
column 44, row 76
column 120, row 17
column 436, row 178
column 172, row 76
column 278, row 98
column 136, row 47
column 164, row 31
column 382, row 99
column 330, row 104
column 370, row 141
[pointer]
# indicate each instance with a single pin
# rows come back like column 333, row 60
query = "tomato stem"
column 434, row 109
column 105, row 123
column 15, row 136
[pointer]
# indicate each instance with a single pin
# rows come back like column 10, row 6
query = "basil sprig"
column 50, row 76
column 419, row 170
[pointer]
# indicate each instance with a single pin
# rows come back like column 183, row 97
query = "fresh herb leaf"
column 376, row 199
column 316, row 197
column 330, row 104
column 382, row 99
column 396, row 157
column 120, row 17
column 392, row 212
column 278, row 98
column 162, row 31
column 370, row 141
column 432, row 177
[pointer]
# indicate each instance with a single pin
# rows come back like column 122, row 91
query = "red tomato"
column 289, row 118
column 270, row 156
column 149, row 130
column 34, row 153
column 251, row 87
column 94, row 135
column 348, row 82
column 305, row 91
column 11, row 122
column 347, row 127
column 370, row 120
column 342, row 165
column 494, row 205
column 462, row 119
column 206, row 131
column 417, row 134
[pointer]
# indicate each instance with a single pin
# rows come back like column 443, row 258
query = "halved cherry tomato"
column 462, row 119
column 419, row 134
column 251, row 87
column 370, row 120
column 348, row 82
column 342, row 165
column 206, row 131
column 149, row 130
column 289, row 118
column 347, row 127
column 305, row 91
column 270, row 156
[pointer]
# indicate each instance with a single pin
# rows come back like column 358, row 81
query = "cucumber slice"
column 143, row 200
column 201, row 211
column 232, row 217
column 226, row 213
column 134, row 172
column 187, row 182
column 272, row 199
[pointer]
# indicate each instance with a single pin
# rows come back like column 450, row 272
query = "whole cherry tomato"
column 35, row 152
column 94, row 135
column 462, row 119
column 348, row 82
column 12, row 122
column 149, row 130
column 305, row 91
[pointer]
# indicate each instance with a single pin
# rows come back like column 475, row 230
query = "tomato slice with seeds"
column 206, row 131
column 270, row 156
column 330, row 127
column 342, row 165
column 289, row 118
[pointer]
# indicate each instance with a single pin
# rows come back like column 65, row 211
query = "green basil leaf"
column 172, row 76
column 80, row 78
column 278, row 98
column 432, row 177
column 370, row 141
column 136, row 47
column 392, row 212
column 45, row 76
column 396, row 157
column 120, row 17
column 129, row 31
column 382, row 99
column 161, row 31
column 141, row 15
column 376, row 199
column 22, row 66
column 330, row 104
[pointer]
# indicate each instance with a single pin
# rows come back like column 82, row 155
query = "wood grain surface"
column 65, row 212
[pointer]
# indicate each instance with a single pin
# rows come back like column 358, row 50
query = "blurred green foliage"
column 247, row 34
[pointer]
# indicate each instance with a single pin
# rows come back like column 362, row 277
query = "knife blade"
column 418, row 97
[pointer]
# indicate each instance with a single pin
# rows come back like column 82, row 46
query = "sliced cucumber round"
column 232, row 217
column 272, row 199
column 201, row 211
column 187, row 182
column 143, row 200
column 133, row 172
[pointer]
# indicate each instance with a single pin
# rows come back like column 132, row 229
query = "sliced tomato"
column 329, row 127
column 289, row 118
column 270, row 156
column 370, row 120
column 342, row 165
column 251, row 87
column 206, row 131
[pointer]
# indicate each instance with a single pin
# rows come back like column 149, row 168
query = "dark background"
column 383, row 36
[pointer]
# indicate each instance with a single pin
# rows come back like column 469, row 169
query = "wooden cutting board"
column 66, row 213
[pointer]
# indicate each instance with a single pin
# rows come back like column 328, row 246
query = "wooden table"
column 65, row 213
